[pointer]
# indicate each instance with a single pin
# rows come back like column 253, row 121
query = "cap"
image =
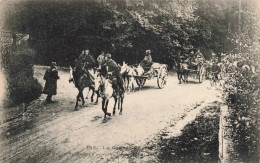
column 53, row 64
column 108, row 55
column 148, row 51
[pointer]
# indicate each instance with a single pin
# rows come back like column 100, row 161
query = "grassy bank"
column 198, row 142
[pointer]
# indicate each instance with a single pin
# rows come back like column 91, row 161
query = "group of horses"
column 214, row 71
column 96, row 80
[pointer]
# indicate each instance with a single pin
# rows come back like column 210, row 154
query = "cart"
column 159, row 71
column 199, row 72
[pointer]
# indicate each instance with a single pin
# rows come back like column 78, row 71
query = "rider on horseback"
column 114, row 74
column 88, row 60
column 83, row 64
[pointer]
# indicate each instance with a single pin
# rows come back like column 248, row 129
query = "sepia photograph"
column 129, row 81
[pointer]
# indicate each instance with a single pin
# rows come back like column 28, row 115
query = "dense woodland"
column 59, row 30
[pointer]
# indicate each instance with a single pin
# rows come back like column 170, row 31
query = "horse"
column 104, row 86
column 182, row 71
column 83, row 79
column 215, row 72
column 128, row 73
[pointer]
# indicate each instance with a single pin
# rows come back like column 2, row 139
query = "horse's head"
column 124, row 68
column 71, row 78
column 97, row 82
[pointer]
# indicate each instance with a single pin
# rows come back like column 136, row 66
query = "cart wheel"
column 202, row 74
column 162, row 77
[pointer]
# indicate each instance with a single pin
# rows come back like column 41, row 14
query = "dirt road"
column 56, row 133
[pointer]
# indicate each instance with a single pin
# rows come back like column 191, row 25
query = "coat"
column 87, row 60
column 114, row 70
column 51, row 76
column 147, row 63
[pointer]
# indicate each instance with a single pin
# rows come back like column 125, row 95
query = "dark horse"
column 182, row 71
column 82, row 79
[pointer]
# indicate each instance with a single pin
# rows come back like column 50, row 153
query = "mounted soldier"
column 147, row 62
column 84, row 63
column 88, row 60
column 113, row 71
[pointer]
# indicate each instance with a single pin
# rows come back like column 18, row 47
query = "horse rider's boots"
column 116, row 90
column 121, row 87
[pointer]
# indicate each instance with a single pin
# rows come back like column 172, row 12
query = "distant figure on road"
column 51, row 76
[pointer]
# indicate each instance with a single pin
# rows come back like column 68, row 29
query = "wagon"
column 159, row 71
column 199, row 72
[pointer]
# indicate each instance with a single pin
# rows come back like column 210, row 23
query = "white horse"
column 128, row 73
column 106, row 91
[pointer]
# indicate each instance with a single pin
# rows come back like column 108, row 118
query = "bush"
column 242, row 95
column 18, row 66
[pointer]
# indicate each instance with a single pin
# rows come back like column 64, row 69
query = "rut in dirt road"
column 57, row 133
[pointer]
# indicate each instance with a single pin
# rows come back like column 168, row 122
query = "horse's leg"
column 97, row 97
column 114, row 109
column 93, row 93
column 132, row 84
column 125, row 84
column 103, row 107
column 109, row 114
column 128, row 82
column 120, row 102
column 186, row 76
column 82, row 97
column 77, row 100
column 180, row 77
column 88, row 93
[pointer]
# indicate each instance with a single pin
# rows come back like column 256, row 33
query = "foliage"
column 18, row 66
column 59, row 30
column 242, row 95
column 241, row 88
column 198, row 141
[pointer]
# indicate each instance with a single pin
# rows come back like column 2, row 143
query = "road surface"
column 56, row 133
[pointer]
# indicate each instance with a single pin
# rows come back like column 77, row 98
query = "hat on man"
column 108, row 55
column 147, row 52
column 53, row 64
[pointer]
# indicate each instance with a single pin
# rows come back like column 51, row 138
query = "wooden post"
column 225, row 140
